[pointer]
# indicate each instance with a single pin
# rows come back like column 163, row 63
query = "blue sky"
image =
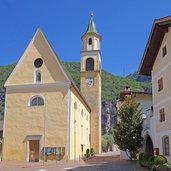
column 124, row 25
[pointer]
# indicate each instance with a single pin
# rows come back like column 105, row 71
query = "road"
column 98, row 163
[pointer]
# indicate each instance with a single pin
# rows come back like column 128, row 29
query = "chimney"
column 127, row 88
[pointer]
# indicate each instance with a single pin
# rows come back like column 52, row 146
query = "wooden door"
column 34, row 150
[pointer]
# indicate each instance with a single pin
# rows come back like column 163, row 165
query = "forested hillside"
column 111, row 85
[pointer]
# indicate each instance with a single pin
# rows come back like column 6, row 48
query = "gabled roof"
column 160, row 27
column 64, row 70
column 73, row 84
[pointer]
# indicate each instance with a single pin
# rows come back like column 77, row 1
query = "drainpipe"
column 68, row 122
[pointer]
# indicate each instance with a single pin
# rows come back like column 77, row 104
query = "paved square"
column 98, row 163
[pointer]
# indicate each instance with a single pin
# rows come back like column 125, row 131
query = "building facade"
column 156, row 62
column 46, row 116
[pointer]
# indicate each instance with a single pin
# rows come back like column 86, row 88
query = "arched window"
column 37, row 101
column 87, row 117
column 165, row 144
column 96, row 44
column 90, row 41
column 89, row 64
column 82, row 134
column 82, row 112
column 38, row 76
column 75, row 105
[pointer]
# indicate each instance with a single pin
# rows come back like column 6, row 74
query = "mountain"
column 111, row 86
column 4, row 73
column 140, row 78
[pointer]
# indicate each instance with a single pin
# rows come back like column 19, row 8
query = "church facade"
column 46, row 115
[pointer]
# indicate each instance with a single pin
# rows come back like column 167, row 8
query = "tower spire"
column 91, row 28
column 91, row 15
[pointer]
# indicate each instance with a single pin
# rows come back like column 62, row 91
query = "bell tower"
column 90, row 80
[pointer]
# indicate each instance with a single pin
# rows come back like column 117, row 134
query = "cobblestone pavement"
column 98, row 163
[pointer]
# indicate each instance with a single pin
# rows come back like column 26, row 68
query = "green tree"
column 107, row 142
column 104, row 144
column 127, row 134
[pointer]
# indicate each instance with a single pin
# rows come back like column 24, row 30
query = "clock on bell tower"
column 90, row 80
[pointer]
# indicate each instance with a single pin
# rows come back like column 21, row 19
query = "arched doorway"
column 149, row 145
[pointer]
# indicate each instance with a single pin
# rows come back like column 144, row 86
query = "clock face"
column 89, row 81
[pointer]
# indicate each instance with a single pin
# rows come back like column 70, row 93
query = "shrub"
column 141, row 163
column 107, row 142
column 87, row 155
column 164, row 166
column 148, row 164
column 141, row 156
column 146, row 160
column 146, row 156
column 104, row 144
column 160, row 159
column 87, row 151
column 151, row 159
column 92, row 152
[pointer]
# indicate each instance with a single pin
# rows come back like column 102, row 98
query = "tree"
column 127, row 134
column 104, row 144
column 107, row 142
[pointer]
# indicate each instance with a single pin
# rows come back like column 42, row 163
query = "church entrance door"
column 34, row 150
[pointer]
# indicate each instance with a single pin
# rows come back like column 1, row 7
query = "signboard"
column 54, row 151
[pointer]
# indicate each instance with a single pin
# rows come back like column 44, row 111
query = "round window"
column 38, row 62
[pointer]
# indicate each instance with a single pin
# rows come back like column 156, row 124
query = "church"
column 46, row 115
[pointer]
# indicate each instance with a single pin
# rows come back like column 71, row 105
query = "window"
column 164, row 51
column 87, row 135
column 90, row 41
column 75, row 126
column 82, row 113
column 38, row 62
column 82, row 137
column 75, row 105
column 38, row 76
column 87, row 117
column 37, row 101
column 165, row 145
column 162, row 115
column 89, row 64
column 160, row 84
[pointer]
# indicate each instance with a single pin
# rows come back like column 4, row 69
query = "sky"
column 124, row 25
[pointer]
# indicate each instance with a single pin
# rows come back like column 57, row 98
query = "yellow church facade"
column 46, row 115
